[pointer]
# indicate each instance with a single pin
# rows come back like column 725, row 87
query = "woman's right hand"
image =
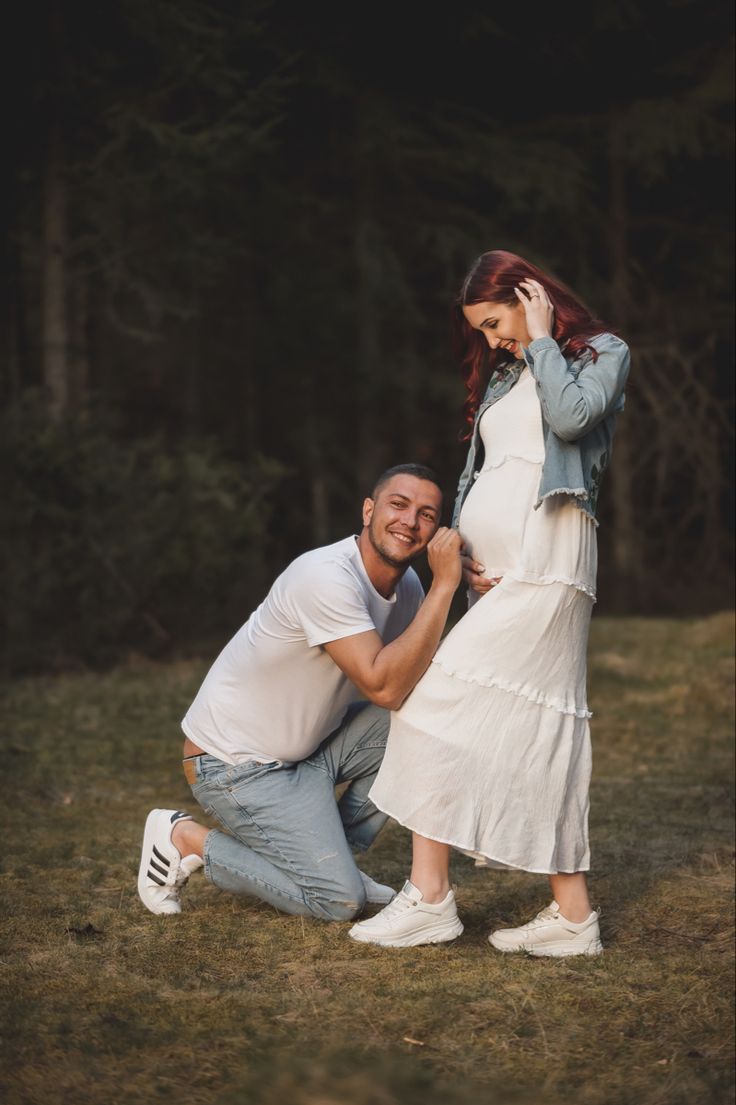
column 475, row 577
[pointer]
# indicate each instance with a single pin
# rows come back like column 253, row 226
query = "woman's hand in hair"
column 537, row 307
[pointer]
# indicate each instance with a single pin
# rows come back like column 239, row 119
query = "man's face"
column 403, row 518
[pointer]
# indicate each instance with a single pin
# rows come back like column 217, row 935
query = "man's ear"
column 368, row 505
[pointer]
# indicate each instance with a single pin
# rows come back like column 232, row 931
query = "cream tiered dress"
column 491, row 751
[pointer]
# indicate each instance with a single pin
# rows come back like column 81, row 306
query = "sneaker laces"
column 549, row 913
column 397, row 905
column 174, row 891
column 187, row 866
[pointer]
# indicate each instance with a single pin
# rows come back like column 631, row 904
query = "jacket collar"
column 502, row 380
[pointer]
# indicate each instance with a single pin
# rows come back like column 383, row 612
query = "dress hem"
column 467, row 847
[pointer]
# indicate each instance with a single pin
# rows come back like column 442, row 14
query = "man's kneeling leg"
column 354, row 753
column 285, row 841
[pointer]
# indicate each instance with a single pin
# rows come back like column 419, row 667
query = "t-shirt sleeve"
column 330, row 605
column 417, row 591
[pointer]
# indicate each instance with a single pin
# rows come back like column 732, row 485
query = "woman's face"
column 500, row 324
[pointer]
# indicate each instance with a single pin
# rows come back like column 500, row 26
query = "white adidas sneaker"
column 163, row 872
column 408, row 920
column 549, row 933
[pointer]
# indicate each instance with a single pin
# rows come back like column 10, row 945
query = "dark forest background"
column 233, row 234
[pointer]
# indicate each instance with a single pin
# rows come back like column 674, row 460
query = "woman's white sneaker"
column 163, row 872
column 549, row 933
column 408, row 920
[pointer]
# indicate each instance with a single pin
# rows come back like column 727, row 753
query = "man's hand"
column 387, row 673
column 475, row 577
column 443, row 554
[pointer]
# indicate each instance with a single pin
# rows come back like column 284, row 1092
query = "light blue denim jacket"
column 579, row 400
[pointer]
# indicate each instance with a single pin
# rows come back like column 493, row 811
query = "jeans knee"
column 345, row 907
column 377, row 720
column 341, row 911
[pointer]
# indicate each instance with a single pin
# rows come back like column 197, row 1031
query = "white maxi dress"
column 491, row 751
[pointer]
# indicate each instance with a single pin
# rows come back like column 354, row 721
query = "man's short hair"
column 419, row 471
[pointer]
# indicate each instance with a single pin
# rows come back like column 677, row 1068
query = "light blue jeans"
column 288, row 840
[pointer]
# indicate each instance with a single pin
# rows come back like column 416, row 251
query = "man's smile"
column 404, row 538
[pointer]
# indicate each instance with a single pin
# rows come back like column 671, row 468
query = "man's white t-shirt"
column 273, row 693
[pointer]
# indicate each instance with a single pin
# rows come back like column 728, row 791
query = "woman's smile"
column 502, row 326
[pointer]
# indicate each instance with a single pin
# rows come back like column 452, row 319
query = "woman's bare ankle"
column 432, row 890
column 430, row 868
column 571, row 894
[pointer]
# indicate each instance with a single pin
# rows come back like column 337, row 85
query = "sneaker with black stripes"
column 163, row 871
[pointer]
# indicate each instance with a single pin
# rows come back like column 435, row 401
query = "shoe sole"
column 558, row 951
column 430, row 934
column 149, row 834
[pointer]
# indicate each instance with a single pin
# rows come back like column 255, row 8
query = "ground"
column 232, row 1002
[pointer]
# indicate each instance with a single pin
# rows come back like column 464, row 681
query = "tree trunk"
column 56, row 360
column 320, row 509
column 627, row 555
column 316, row 473
column 368, row 352
column 18, row 358
column 80, row 339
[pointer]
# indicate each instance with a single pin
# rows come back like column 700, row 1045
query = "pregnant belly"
column 495, row 514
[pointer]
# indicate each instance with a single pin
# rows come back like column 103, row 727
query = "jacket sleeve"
column 575, row 402
column 462, row 483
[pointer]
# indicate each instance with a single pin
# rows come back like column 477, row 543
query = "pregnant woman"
column 490, row 753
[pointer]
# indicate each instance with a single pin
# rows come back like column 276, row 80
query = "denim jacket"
column 579, row 400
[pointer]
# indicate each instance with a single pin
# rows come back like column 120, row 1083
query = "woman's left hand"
column 475, row 577
column 537, row 307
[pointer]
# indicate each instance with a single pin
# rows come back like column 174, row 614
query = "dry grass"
column 234, row 1003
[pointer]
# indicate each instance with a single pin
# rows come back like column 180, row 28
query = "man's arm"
column 387, row 673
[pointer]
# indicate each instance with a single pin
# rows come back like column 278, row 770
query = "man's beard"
column 385, row 555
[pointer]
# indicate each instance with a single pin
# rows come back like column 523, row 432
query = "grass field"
column 233, row 1003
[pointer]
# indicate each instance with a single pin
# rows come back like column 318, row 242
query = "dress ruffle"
column 562, row 706
column 499, row 462
column 525, row 576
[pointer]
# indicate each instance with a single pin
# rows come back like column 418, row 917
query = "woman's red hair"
column 492, row 279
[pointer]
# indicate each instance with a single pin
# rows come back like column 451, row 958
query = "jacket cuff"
column 540, row 344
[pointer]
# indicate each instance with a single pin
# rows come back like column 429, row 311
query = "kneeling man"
column 281, row 717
